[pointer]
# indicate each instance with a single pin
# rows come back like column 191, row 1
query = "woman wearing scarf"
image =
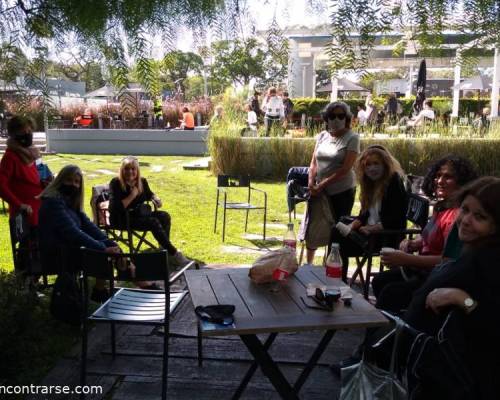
column 19, row 179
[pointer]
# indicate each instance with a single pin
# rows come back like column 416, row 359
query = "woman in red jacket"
column 19, row 180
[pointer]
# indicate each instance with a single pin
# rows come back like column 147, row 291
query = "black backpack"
column 66, row 303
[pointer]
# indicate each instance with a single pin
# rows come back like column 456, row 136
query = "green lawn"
column 189, row 197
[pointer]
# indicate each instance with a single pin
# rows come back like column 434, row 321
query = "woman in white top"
column 331, row 170
column 273, row 109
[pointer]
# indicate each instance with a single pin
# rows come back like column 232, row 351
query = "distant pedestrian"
column 273, row 109
column 288, row 106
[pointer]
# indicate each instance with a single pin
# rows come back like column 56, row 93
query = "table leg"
column 244, row 382
column 313, row 360
column 269, row 367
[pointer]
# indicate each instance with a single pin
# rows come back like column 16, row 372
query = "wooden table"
column 259, row 309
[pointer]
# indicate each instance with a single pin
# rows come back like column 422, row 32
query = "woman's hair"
column 464, row 173
column 67, row 172
column 218, row 108
column 327, row 113
column 185, row 109
column 130, row 160
column 487, row 191
column 17, row 124
column 271, row 90
column 372, row 191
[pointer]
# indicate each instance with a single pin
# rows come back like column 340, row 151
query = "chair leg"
column 83, row 369
column 246, row 220
column 224, row 224
column 368, row 278
column 113, row 340
column 216, row 212
column 200, row 346
column 165, row 359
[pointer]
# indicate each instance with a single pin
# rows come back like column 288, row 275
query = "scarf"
column 27, row 154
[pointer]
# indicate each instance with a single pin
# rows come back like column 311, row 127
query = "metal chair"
column 296, row 178
column 226, row 182
column 99, row 203
column 130, row 306
column 417, row 213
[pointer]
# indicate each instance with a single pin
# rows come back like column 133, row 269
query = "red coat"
column 19, row 184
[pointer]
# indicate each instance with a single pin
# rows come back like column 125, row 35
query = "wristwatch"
column 469, row 304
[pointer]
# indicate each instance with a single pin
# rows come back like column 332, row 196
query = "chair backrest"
column 414, row 183
column 99, row 203
column 418, row 210
column 150, row 266
column 233, row 181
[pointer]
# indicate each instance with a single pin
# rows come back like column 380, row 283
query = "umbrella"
column 421, row 80
column 478, row 82
column 344, row 85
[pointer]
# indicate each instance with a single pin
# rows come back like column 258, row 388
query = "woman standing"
column 128, row 192
column 331, row 170
column 383, row 203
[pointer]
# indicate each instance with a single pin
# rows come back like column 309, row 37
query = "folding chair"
column 417, row 213
column 226, row 182
column 296, row 186
column 99, row 203
column 130, row 306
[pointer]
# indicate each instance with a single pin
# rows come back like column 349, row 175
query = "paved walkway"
column 225, row 363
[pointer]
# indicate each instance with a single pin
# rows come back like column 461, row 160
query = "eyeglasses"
column 339, row 116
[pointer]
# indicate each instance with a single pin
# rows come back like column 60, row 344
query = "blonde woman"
column 64, row 227
column 383, row 202
column 128, row 192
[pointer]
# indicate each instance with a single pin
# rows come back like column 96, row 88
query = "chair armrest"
column 258, row 190
column 179, row 273
column 390, row 232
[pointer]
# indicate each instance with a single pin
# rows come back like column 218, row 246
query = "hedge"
column 312, row 107
column 272, row 157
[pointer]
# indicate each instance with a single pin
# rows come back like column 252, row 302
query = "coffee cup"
column 343, row 228
column 386, row 250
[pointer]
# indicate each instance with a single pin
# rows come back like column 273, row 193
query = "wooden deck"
column 226, row 360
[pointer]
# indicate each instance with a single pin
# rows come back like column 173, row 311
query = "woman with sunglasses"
column 331, row 171
column 128, row 193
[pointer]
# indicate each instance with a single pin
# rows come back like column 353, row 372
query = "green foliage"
column 273, row 157
column 276, row 63
column 177, row 65
column 237, row 61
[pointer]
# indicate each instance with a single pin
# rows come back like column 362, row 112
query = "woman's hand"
column 356, row 224
column 27, row 208
column 113, row 250
column 443, row 297
column 157, row 202
column 134, row 192
column 396, row 258
column 410, row 246
column 368, row 229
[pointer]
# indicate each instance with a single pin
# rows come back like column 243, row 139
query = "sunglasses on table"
column 325, row 299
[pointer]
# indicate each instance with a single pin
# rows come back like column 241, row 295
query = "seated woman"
column 471, row 283
column 383, row 203
column 64, row 227
column 128, row 191
column 187, row 121
column 394, row 288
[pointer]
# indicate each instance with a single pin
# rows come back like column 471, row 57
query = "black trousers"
column 158, row 223
column 393, row 292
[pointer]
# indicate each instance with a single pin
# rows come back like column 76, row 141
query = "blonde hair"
column 68, row 172
column 130, row 160
column 372, row 191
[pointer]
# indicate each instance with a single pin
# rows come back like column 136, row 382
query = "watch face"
column 468, row 302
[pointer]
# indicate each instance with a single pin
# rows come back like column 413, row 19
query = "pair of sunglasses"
column 337, row 116
column 325, row 300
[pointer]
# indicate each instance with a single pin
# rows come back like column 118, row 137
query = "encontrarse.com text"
column 41, row 389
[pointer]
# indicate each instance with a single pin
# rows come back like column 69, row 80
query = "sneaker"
column 99, row 295
column 180, row 259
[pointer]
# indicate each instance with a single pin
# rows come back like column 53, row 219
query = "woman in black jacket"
column 383, row 203
column 472, row 284
column 129, row 193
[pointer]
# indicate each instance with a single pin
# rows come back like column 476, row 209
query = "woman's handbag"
column 320, row 222
column 143, row 210
column 366, row 381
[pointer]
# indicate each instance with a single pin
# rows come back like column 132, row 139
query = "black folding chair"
column 227, row 182
column 417, row 214
column 100, row 211
column 296, row 189
column 130, row 306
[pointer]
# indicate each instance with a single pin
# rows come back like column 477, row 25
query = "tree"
column 276, row 63
column 177, row 66
column 237, row 61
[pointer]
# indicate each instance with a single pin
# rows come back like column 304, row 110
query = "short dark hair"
column 464, row 172
column 285, row 94
column 185, row 109
column 17, row 123
column 428, row 103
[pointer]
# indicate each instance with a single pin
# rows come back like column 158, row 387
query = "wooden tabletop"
column 259, row 309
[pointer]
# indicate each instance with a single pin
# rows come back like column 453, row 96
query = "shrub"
column 273, row 157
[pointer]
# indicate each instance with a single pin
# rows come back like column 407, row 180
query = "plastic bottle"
column 334, row 263
column 289, row 238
